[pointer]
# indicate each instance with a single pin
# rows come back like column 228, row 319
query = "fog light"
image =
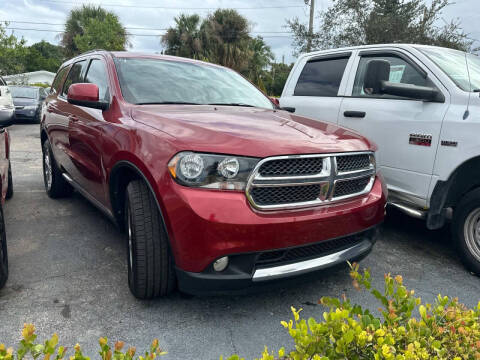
column 221, row 264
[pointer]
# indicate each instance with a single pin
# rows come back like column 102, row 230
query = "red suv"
column 216, row 187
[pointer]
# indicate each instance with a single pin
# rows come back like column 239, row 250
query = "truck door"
column 316, row 85
column 406, row 131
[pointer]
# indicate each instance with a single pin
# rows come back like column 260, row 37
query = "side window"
column 97, row 74
column 321, row 77
column 58, row 79
column 74, row 76
column 400, row 72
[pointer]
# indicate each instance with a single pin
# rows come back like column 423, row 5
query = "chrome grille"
column 347, row 187
column 353, row 162
column 292, row 167
column 285, row 182
column 285, row 194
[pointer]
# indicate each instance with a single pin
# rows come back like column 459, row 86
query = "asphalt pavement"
column 68, row 274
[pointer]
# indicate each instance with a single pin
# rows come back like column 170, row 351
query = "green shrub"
column 444, row 330
column 50, row 350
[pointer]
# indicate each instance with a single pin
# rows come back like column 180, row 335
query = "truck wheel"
column 466, row 230
column 150, row 262
column 9, row 194
column 3, row 252
column 55, row 185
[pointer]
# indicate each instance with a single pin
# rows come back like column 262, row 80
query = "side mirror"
column 86, row 94
column 377, row 82
column 275, row 101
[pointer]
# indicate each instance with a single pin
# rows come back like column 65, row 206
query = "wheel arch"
column 465, row 178
column 121, row 174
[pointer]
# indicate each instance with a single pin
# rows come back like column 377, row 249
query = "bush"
column 444, row 330
column 50, row 349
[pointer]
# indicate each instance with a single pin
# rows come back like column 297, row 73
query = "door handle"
column 355, row 114
column 73, row 118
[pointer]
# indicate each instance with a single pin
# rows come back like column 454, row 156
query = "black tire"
column 9, row 194
column 151, row 271
column 466, row 230
column 3, row 252
column 55, row 185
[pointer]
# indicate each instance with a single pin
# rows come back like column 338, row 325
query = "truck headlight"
column 211, row 171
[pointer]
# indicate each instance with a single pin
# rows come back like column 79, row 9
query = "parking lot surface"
column 68, row 275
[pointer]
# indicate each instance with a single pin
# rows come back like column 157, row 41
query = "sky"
column 146, row 18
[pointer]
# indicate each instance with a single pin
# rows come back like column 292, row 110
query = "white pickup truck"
column 421, row 106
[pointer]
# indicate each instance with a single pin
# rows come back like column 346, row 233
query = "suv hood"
column 247, row 131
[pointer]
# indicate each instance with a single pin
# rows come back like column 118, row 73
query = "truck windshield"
column 454, row 64
column 156, row 81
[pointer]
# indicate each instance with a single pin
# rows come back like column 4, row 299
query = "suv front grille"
column 347, row 187
column 285, row 194
column 292, row 167
column 278, row 257
column 353, row 162
column 295, row 181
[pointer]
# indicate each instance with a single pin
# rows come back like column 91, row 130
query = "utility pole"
column 310, row 25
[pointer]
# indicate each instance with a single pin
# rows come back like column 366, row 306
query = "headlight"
column 223, row 172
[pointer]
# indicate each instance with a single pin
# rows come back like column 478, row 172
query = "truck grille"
column 292, row 167
column 296, row 181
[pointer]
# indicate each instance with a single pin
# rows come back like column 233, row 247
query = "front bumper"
column 205, row 225
column 244, row 273
column 25, row 114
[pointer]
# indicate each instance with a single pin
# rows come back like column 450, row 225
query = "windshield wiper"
column 232, row 104
column 168, row 103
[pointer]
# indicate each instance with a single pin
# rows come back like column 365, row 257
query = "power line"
column 172, row 8
column 128, row 27
column 130, row 34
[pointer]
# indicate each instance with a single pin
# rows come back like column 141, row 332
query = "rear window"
column 321, row 77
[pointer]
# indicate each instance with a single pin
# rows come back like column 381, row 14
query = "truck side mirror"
column 377, row 71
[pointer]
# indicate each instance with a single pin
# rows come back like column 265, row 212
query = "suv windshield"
column 454, row 64
column 23, row 92
column 155, row 81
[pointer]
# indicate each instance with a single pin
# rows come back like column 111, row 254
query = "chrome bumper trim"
column 416, row 213
column 302, row 267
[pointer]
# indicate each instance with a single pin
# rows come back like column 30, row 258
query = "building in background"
column 30, row 78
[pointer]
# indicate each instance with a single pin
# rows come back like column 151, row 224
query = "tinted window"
column 400, row 72
column 321, row 77
column 58, row 79
column 74, row 76
column 97, row 74
column 159, row 81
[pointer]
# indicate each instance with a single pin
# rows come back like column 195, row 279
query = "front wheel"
column 3, row 252
column 150, row 262
column 466, row 230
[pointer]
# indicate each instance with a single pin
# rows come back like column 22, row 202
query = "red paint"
column 275, row 101
column 83, row 92
column 203, row 224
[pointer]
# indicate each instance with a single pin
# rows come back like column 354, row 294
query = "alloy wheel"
column 471, row 232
